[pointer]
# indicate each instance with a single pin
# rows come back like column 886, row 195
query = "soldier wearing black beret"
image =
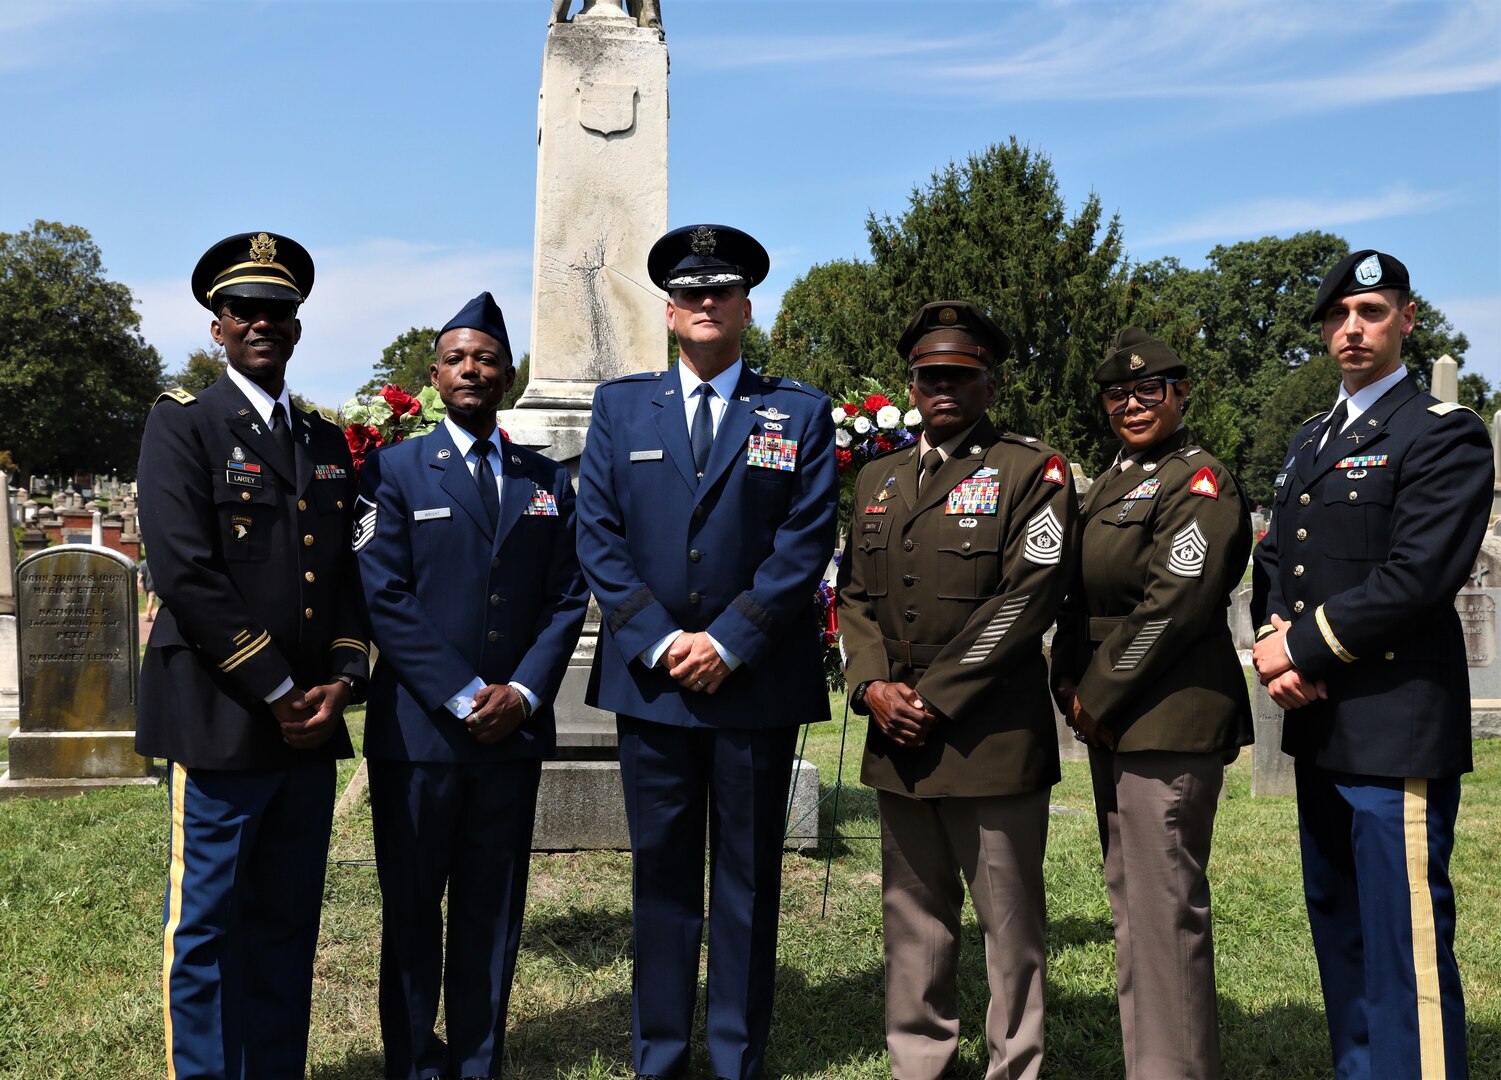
column 1145, row 671
column 1381, row 505
column 957, row 559
column 246, row 506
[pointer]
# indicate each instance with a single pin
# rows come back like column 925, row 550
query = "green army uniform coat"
column 949, row 592
column 1144, row 633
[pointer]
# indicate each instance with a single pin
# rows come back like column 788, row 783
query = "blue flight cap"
column 482, row 314
column 704, row 256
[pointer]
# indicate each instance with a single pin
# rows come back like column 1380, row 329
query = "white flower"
column 839, row 416
column 888, row 417
column 842, row 438
column 912, row 419
column 862, row 425
column 379, row 412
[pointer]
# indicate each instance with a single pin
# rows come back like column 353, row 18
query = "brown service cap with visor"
column 953, row 332
column 1136, row 354
column 255, row 266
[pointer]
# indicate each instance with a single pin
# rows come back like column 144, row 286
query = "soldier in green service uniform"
column 957, row 560
column 1146, row 672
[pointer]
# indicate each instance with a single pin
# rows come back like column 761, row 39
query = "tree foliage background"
column 993, row 229
column 77, row 377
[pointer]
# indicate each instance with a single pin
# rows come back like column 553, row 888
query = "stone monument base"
column 82, row 755
column 581, row 807
column 62, row 788
column 1485, row 718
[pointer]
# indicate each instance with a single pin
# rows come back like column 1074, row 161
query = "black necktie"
column 281, row 430
column 484, row 476
column 932, row 461
column 701, row 435
column 1330, row 436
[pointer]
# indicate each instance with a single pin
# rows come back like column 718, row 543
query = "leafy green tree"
column 523, row 374
column 202, row 370
column 1308, row 390
column 993, row 230
column 1476, row 392
column 404, row 362
column 75, row 372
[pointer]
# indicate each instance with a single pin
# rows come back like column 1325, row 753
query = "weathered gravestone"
column 1477, row 603
column 78, row 649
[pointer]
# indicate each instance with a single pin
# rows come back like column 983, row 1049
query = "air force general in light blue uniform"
column 736, row 552
column 457, row 603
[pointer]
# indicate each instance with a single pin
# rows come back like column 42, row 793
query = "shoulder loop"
column 1031, row 442
column 1444, row 408
column 177, row 394
column 777, row 382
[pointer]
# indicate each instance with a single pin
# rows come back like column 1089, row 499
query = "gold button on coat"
column 1298, row 570
column 245, row 495
column 302, row 504
column 1302, row 534
column 1298, row 606
column 1304, row 499
column 307, row 613
column 308, row 577
column 307, row 541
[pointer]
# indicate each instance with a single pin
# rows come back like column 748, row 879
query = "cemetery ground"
column 80, row 944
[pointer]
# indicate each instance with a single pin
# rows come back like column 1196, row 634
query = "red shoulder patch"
column 1053, row 473
column 1204, row 483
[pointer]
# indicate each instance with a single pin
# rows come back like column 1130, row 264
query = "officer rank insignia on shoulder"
column 1444, row 408
column 771, row 452
column 1053, row 472
column 1204, row 483
column 1147, row 489
column 177, row 394
column 974, row 495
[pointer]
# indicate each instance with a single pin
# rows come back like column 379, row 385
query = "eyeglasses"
column 244, row 312
column 1148, row 393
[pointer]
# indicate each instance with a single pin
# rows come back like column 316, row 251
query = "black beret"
column 699, row 256
column 482, row 314
column 1136, row 354
column 1361, row 271
column 953, row 332
column 260, row 266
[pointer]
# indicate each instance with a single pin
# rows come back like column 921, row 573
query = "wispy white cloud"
column 1252, row 218
column 738, row 53
column 364, row 297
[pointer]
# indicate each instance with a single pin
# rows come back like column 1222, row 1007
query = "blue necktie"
column 701, row 435
column 484, row 476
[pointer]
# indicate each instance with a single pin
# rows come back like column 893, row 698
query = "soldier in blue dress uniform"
column 706, row 518
column 1380, row 509
column 246, row 506
column 466, row 551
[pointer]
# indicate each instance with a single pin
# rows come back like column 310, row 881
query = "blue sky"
column 397, row 140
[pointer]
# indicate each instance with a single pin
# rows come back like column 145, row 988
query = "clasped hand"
column 308, row 718
column 498, row 711
column 1286, row 685
column 694, row 663
column 900, row 712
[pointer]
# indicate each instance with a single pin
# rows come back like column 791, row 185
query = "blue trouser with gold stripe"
column 244, row 893
column 1381, row 908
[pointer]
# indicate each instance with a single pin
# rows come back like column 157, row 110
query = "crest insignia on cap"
column 263, row 249
column 702, row 240
column 1369, row 270
column 948, row 316
column 1137, row 363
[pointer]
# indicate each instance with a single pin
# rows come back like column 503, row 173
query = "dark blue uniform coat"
column 450, row 599
column 1368, row 544
column 250, row 554
column 737, row 553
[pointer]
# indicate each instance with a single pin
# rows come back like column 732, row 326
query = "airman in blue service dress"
column 956, row 562
column 1145, row 667
column 476, row 602
column 246, row 506
column 1380, row 510
column 706, row 517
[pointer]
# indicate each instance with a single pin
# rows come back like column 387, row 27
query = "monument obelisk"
column 601, row 204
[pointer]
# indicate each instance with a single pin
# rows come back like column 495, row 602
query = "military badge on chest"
column 977, row 495
column 771, row 452
column 542, row 504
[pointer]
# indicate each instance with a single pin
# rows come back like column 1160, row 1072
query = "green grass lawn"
column 80, row 929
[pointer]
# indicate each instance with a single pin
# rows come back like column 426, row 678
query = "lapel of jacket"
column 735, row 426
column 252, row 433
column 302, row 447
column 455, row 478
column 1117, row 483
column 1368, row 429
column 968, row 456
column 515, row 491
column 669, row 416
column 906, row 477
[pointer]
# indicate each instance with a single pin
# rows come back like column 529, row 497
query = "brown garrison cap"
column 1135, row 354
column 953, row 332
column 1360, row 271
column 260, row 266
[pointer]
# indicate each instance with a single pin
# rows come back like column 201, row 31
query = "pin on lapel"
column 244, row 412
column 255, row 428
column 771, row 413
column 444, row 455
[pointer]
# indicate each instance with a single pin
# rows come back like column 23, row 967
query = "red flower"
column 876, row 402
column 884, row 443
column 844, row 459
column 851, row 410
column 362, row 438
column 401, row 402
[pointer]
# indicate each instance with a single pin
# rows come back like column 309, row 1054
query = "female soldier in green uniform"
column 1146, row 673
